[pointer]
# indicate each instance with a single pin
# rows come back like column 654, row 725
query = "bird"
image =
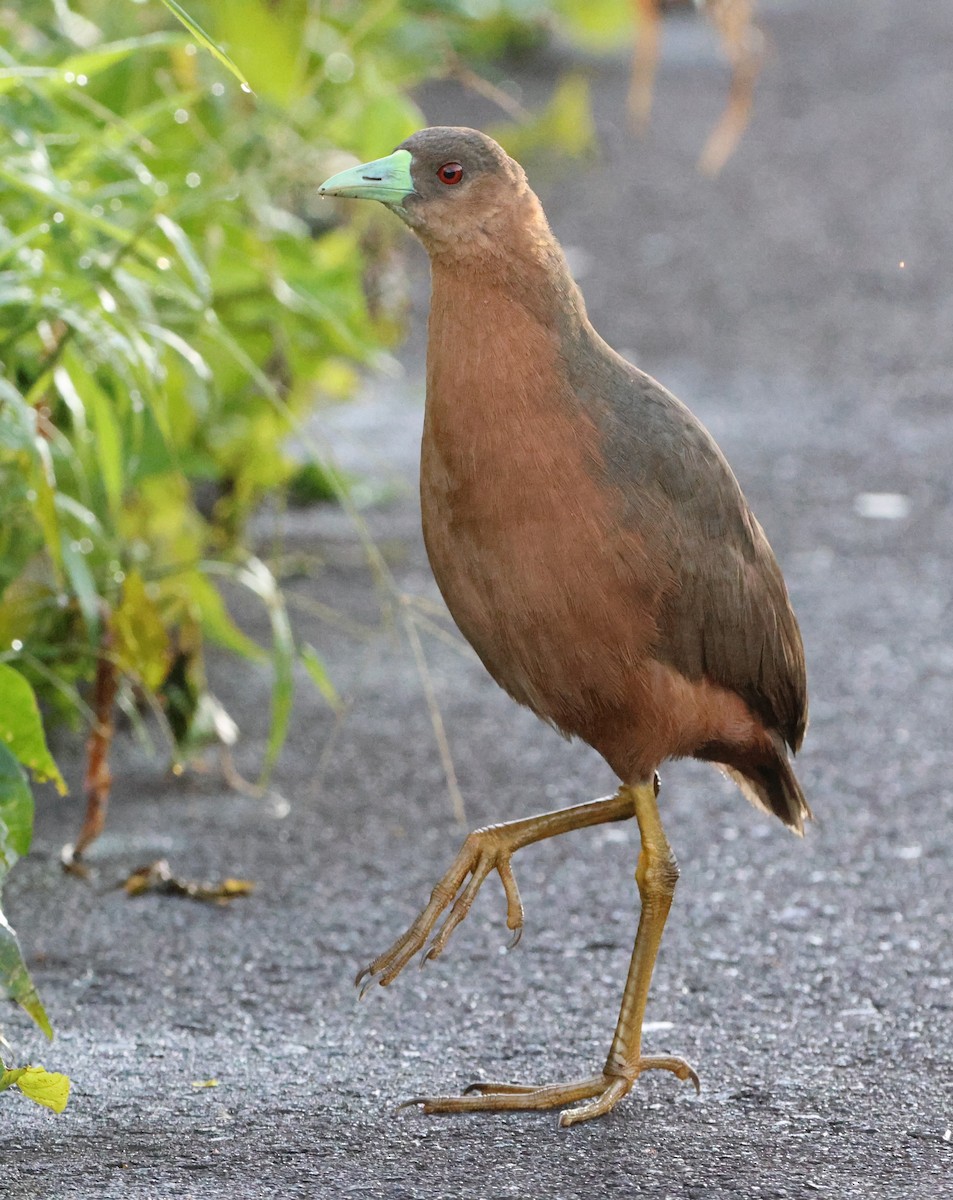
column 594, row 547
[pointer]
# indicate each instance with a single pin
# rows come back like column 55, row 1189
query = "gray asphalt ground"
column 809, row 982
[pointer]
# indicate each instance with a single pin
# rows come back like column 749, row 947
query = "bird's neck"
column 488, row 294
column 502, row 330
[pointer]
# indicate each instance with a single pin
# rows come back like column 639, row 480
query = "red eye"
column 450, row 173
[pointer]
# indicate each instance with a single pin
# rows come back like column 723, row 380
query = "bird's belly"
column 564, row 635
column 560, row 614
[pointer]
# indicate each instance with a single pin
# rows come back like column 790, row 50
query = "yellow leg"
column 484, row 851
column 656, row 876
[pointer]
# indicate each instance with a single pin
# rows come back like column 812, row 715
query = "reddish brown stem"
column 98, row 779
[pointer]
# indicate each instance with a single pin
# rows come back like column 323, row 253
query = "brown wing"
column 731, row 620
column 727, row 614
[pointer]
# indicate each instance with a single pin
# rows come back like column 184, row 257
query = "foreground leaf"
column 16, row 812
column 16, row 832
column 141, row 643
column 215, row 620
column 21, row 728
column 254, row 575
column 15, row 978
column 48, row 1088
column 318, row 673
column 564, row 127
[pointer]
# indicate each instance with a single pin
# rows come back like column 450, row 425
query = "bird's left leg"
column 484, row 851
column 656, row 876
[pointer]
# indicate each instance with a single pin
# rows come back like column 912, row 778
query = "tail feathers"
column 773, row 787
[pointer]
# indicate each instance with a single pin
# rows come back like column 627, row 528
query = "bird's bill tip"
column 386, row 179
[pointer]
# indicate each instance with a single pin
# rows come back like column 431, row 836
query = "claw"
column 515, row 939
column 484, row 1087
column 483, row 852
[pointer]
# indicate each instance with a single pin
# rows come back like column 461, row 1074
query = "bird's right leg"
column 486, row 850
column 656, row 875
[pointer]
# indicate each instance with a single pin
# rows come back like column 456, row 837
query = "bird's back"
column 728, row 616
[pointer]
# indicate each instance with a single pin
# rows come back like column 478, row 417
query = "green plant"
column 22, row 747
column 167, row 315
column 173, row 301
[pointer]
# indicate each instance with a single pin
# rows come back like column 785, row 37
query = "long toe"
column 612, row 1092
column 511, row 1097
column 591, row 1097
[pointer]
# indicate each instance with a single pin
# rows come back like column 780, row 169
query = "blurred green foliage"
column 173, row 301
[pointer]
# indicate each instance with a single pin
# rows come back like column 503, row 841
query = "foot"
column 601, row 1093
column 484, row 851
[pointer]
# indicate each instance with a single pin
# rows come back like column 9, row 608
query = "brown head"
column 456, row 188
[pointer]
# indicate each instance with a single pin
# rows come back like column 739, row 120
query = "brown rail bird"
column 594, row 547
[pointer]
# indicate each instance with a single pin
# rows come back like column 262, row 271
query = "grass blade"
column 203, row 38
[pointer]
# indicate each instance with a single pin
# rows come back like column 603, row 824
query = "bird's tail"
column 773, row 787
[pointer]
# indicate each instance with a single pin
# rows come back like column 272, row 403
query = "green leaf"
column 203, row 38
column 564, row 127
column 141, row 641
column 87, row 63
column 16, row 810
column 319, row 676
column 108, row 443
column 599, row 25
column 82, row 582
column 44, row 510
column 9, row 1076
column 258, row 579
column 179, row 344
column 15, row 978
column 16, row 832
column 52, row 191
column 187, row 253
column 89, row 404
column 21, row 730
column 39, row 1085
column 215, row 621
column 271, row 50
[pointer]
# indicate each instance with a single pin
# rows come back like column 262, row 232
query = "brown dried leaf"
column 158, row 877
